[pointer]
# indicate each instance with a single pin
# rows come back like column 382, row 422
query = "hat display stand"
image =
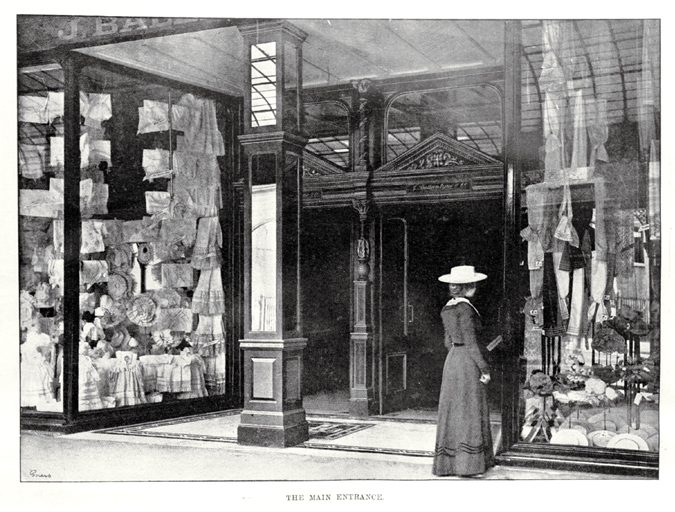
column 542, row 425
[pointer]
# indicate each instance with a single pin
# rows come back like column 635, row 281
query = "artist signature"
column 36, row 474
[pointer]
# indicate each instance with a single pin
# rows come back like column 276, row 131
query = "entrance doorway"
column 418, row 244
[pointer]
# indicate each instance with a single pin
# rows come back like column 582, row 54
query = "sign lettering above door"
column 439, row 187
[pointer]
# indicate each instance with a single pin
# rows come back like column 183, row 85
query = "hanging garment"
column 208, row 340
column 654, row 191
column 55, row 105
column 139, row 231
column 553, row 112
column 126, row 380
column 625, row 241
column 57, row 152
column 99, row 151
column 200, row 129
column 197, row 381
column 209, row 298
column 175, row 377
column 177, row 275
column 157, row 202
column 553, row 322
column 44, row 297
column 648, row 84
column 39, row 203
column 153, row 116
column 92, row 237
column 27, row 309
column 32, row 160
column 55, row 272
column 153, row 366
column 36, row 377
column 206, row 253
column 196, row 201
column 112, row 232
column 215, row 374
column 88, row 385
column 185, row 163
column 598, row 131
column 565, row 230
column 183, row 231
column 536, row 196
column 93, row 271
column 174, row 320
column 57, row 237
column 579, row 148
column 93, row 199
column 155, row 164
column 99, row 109
column 33, row 109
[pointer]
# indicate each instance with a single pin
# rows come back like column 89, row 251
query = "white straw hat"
column 461, row 275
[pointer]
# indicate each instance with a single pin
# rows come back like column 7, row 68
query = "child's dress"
column 36, row 378
column 126, row 380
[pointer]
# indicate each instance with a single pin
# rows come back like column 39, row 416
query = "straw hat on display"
column 462, row 274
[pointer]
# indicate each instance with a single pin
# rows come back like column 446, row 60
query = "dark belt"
column 458, row 344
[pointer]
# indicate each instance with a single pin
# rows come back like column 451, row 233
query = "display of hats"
column 167, row 298
column 117, row 339
column 653, row 443
column 628, row 442
column 116, row 312
column 651, row 417
column 145, row 253
column 142, row 310
column 645, row 431
column 569, row 436
column 602, row 422
column 579, row 424
column 601, row 437
column 120, row 285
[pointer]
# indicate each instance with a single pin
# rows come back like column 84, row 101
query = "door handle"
column 411, row 313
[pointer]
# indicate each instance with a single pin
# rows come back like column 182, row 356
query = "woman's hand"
column 485, row 378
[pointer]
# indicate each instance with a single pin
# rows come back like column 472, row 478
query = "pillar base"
column 280, row 437
column 359, row 407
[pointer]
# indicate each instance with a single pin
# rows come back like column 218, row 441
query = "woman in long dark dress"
column 463, row 437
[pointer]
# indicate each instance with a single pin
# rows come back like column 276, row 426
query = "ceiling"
column 337, row 51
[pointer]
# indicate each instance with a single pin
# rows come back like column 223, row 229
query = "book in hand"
column 493, row 344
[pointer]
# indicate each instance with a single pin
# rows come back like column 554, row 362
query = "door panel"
column 393, row 353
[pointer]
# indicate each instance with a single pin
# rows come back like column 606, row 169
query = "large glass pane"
column 590, row 120
column 151, row 290
column 471, row 115
column 264, row 257
column 40, row 150
column 263, row 84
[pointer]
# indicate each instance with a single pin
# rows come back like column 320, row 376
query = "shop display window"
column 591, row 237
column 152, row 301
column 40, row 127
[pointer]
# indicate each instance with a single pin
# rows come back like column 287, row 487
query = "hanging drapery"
column 648, row 94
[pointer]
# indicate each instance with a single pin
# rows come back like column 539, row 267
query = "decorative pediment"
column 314, row 165
column 439, row 151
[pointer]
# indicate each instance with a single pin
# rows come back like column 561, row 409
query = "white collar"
column 456, row 300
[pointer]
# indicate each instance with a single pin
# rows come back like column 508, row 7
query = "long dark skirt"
column 463, row 437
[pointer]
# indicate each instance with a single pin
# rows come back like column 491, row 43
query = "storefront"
column 222, row 213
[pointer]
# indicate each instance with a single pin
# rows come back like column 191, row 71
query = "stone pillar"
column 273, row 342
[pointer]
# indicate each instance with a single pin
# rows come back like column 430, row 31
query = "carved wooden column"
column 273, row 342
column 367, row 112
column 361, row 351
